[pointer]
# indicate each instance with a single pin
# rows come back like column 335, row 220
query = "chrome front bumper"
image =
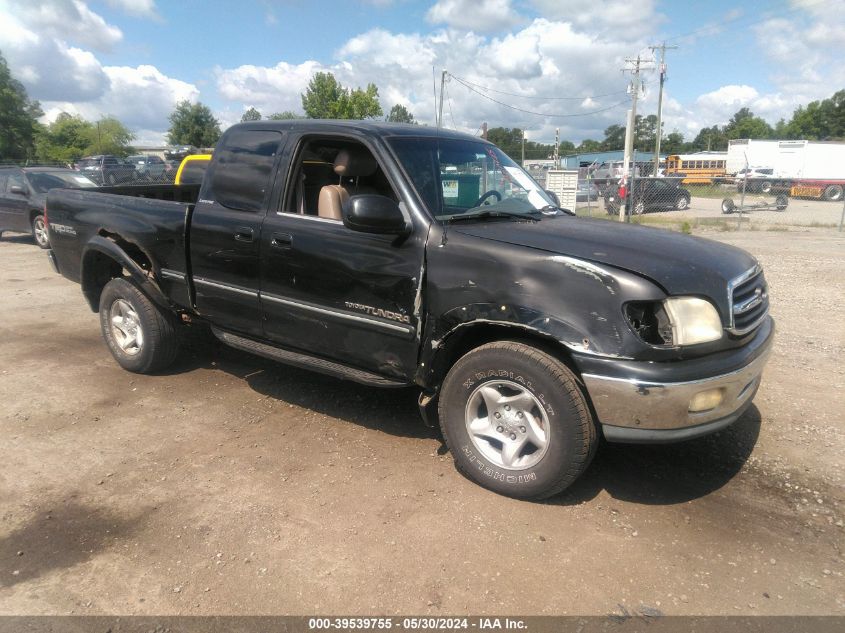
column 646, row 412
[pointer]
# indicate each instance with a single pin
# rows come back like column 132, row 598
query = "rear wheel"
column 39, row 231
column 766, row 186
column 639, row 208
column 516, row 421
column 781, row 202
column 681, row 203
column 141, row 336
column 833, row 192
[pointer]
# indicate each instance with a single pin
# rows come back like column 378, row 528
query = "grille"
column 749, row 297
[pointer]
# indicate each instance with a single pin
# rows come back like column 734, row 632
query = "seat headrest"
column 353, row 163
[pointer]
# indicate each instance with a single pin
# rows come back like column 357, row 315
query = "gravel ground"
column 231, row 485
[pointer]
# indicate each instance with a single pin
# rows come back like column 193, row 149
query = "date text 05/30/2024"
column 416, row 624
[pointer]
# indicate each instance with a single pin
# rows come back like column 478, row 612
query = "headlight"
column 693, row 320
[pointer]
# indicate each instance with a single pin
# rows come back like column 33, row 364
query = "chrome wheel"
column 126, row 327
column 507, row 424
column 39, row 231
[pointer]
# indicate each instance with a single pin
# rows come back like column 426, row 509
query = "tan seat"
column 330, row 202
column 349, row 163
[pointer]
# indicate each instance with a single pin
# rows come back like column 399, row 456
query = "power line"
column 543, row 114
column 512, row 94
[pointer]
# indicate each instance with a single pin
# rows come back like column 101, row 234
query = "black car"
column 23, row 192
column 152, row 168
column 649, row 194
column 106, row 169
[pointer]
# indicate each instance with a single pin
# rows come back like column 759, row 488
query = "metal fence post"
column 842, row 217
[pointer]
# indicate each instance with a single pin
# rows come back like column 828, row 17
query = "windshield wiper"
column 494, row 214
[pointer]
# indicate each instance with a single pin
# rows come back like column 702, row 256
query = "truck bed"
column 147, row 221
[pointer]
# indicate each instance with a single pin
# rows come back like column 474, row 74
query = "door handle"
column 281, row 240
column 243, row 234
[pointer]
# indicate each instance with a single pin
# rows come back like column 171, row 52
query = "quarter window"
column 240, row 176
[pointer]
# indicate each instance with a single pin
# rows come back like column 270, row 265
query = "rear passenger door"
column 226, row 227
column 14, row 206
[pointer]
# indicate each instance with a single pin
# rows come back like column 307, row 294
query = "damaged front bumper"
column 639, row 402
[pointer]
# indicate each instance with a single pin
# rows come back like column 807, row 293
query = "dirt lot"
column 232, row 485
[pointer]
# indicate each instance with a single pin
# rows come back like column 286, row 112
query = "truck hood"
column 680, row 264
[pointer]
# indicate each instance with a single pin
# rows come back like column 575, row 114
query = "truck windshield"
column 464, row 179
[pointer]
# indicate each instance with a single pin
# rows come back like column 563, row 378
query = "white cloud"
column 72, row 79
column 138, row 8
column 622, row 19
column 543, row 59
column 474, row 15
column 66, row 20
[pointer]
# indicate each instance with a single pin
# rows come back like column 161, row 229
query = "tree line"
column 69, row 137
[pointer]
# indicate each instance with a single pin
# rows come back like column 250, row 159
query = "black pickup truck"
column 400, row 255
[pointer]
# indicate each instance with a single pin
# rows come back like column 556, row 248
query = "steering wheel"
column 486, row 195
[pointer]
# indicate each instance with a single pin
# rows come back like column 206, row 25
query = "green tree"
column 819, row 120
column 251, row 115
column 645, row 132
column 589, row 145
column 744, row 124
column 325, row 98
column 673, row 143
column 566, row 147
column 710, row 139
column 69, row 138
column 193, row 124
column 287, row 115
column 18, row 117
column 614, row 138
column 400, row 114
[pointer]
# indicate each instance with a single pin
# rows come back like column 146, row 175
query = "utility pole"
column 523, row 149
column 557, row 148
column 659, row 132
column 440, row 109
column 636, row 86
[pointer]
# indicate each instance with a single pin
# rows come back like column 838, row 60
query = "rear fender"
column 102, row 260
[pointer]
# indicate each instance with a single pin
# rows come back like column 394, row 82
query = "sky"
column 558, row 64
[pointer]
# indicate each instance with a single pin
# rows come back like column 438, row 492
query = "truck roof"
column 364, row 128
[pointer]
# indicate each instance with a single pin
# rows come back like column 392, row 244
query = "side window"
column 328, row 171
column 240, row 176
column 16, row 180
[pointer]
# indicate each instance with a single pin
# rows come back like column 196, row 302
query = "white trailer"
column 812, row 169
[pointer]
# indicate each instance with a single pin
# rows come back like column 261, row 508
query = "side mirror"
column 370, row 213
column 18, row 190
column 553, row 196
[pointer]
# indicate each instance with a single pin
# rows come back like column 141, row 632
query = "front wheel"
column 516, row 421
column 141, row 336
column 39, row 231
column 728, row 206
column 781, row 202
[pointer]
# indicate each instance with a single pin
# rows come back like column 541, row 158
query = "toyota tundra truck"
column 398, row 256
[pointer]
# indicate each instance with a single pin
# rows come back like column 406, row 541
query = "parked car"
column 586, row 191
column 192, row 169
column 649, row 194
column 611, row 171
column 755, row 179
column 336, row 246
column 150, row 168
column 23, row 193
column 107, row 169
